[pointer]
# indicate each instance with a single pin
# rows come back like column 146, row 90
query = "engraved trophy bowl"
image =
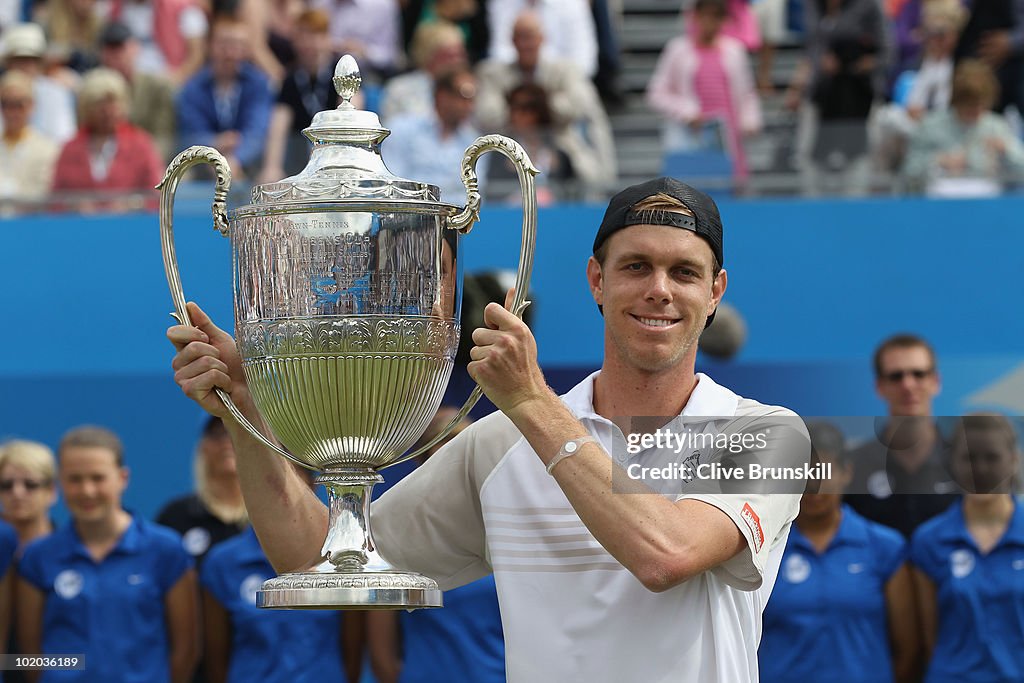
column 347, row 295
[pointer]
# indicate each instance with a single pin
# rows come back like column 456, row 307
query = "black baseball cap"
column 706, row 221
column 114, row 33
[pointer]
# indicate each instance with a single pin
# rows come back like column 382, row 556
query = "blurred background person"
column 967, row 150
column 369, row 30
column 968, row 562
column 27, row 157
column 844, row 73
column 215, row 511
column 111, row 586
column 28, row 489
column 568, row 25
column 171, row 33
column 994, row 33
column 8, row 552
column 470, row 16
column 227, row 104
column 577, row 114
column 430, row 147
column 842, row 607
column 73, row 28
column 24, row 46
column 151, row 95
column 460, row 643
column 244, row 643
column 705, row 77
column 437, row 46
column 308, row 89
column 109, row 156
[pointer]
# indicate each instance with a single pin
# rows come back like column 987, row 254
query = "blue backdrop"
column 820, row 283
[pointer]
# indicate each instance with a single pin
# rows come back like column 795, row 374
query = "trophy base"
column 349, row 590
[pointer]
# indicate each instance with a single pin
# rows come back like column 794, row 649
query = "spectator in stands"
column 281, row 29
column 108, row 585
column 256, row 16
column 968, row 562
column 368, row 30
column 28, row 488
column 707, row 77
column 462, row 643
column 839, row 81
column 967, row 149
column 740, row 23
column 227, row 104
column 927, row 87
column 27, row 157
column 437, row 46
column 900, row 476
column 109, row 156
column 429, row 148
column 568, row 25
column 215, row 511
column 23, row 48
column 469, row 15
column 151, row 95
column 73, row 27
column 244, row 643
column 577, row 115
column 994, row 33
column 842, row 608
column 171, row 34
column 530, row 124
column 307, row 89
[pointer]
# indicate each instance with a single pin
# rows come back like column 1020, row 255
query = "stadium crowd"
column 98, row 95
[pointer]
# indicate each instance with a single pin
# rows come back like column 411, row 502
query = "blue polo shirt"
column 826, row 619
column 111, row 611
column 980, row 599
column 269, row 646
column 459, row 643
column 8, row 546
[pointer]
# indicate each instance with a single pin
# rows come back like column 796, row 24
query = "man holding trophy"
column 594, row 584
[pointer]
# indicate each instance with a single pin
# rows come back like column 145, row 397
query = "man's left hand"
column 504, row 359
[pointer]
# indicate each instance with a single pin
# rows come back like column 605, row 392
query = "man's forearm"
column 289, row 519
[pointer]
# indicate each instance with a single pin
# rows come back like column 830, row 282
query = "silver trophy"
column 347, row 287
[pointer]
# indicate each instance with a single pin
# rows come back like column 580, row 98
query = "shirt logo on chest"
column 1018, row 564
column 249, row 586
column 961, row 563
column 68, row 584
column 855, row 567
column 797, row 569
column 196, row 541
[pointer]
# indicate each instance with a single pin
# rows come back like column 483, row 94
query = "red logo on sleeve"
column 754, row 522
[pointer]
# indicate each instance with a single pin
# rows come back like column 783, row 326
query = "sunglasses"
column 898, row 375
column 29, row 484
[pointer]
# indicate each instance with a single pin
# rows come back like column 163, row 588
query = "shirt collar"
column 130, row 542
column 708, row 399
column 955, row 528
column 852, row 531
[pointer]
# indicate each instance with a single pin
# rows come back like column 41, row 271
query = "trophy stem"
column 349, row 545
column 352, row 575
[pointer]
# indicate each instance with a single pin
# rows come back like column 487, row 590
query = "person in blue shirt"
column 8, row 546
column 244, row 643
column 842, row 607
column 968, row 563
column 108, row 585
column 227, row 104
column 461, row 643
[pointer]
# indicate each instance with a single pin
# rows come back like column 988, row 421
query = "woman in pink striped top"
column 705, row 75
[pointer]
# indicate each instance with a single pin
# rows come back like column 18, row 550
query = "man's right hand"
column 208, row 359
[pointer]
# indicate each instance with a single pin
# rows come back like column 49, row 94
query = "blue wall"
column 86, row 306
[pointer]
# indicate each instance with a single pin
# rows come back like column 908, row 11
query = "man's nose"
column 658, row 287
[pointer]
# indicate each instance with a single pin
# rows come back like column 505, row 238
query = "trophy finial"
column 347, row 80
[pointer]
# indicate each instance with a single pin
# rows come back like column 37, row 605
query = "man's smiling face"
column 657, row 288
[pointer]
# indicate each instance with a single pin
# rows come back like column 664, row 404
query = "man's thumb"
column 204, row 323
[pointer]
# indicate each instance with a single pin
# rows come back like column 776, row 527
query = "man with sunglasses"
column 900, row 476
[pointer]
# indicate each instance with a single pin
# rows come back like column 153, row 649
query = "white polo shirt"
column 570, row 611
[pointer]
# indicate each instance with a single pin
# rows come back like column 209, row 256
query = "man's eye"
column 635, row 266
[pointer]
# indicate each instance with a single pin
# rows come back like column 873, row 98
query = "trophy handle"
column 463, row 222
column 168, row 186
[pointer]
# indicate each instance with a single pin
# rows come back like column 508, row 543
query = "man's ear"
column 718, row 290
column 595, row 279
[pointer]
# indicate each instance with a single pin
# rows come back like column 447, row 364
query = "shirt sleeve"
column 30, row 566
column 761, row 509
column 890, row 549
column 432, row 521
column 172, row 559
column 8, row 546
column 212, row 574
column 922, row 553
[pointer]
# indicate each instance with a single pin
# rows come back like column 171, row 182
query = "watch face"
column 571, row 447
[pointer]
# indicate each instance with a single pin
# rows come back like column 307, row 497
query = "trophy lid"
column 345, row 164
